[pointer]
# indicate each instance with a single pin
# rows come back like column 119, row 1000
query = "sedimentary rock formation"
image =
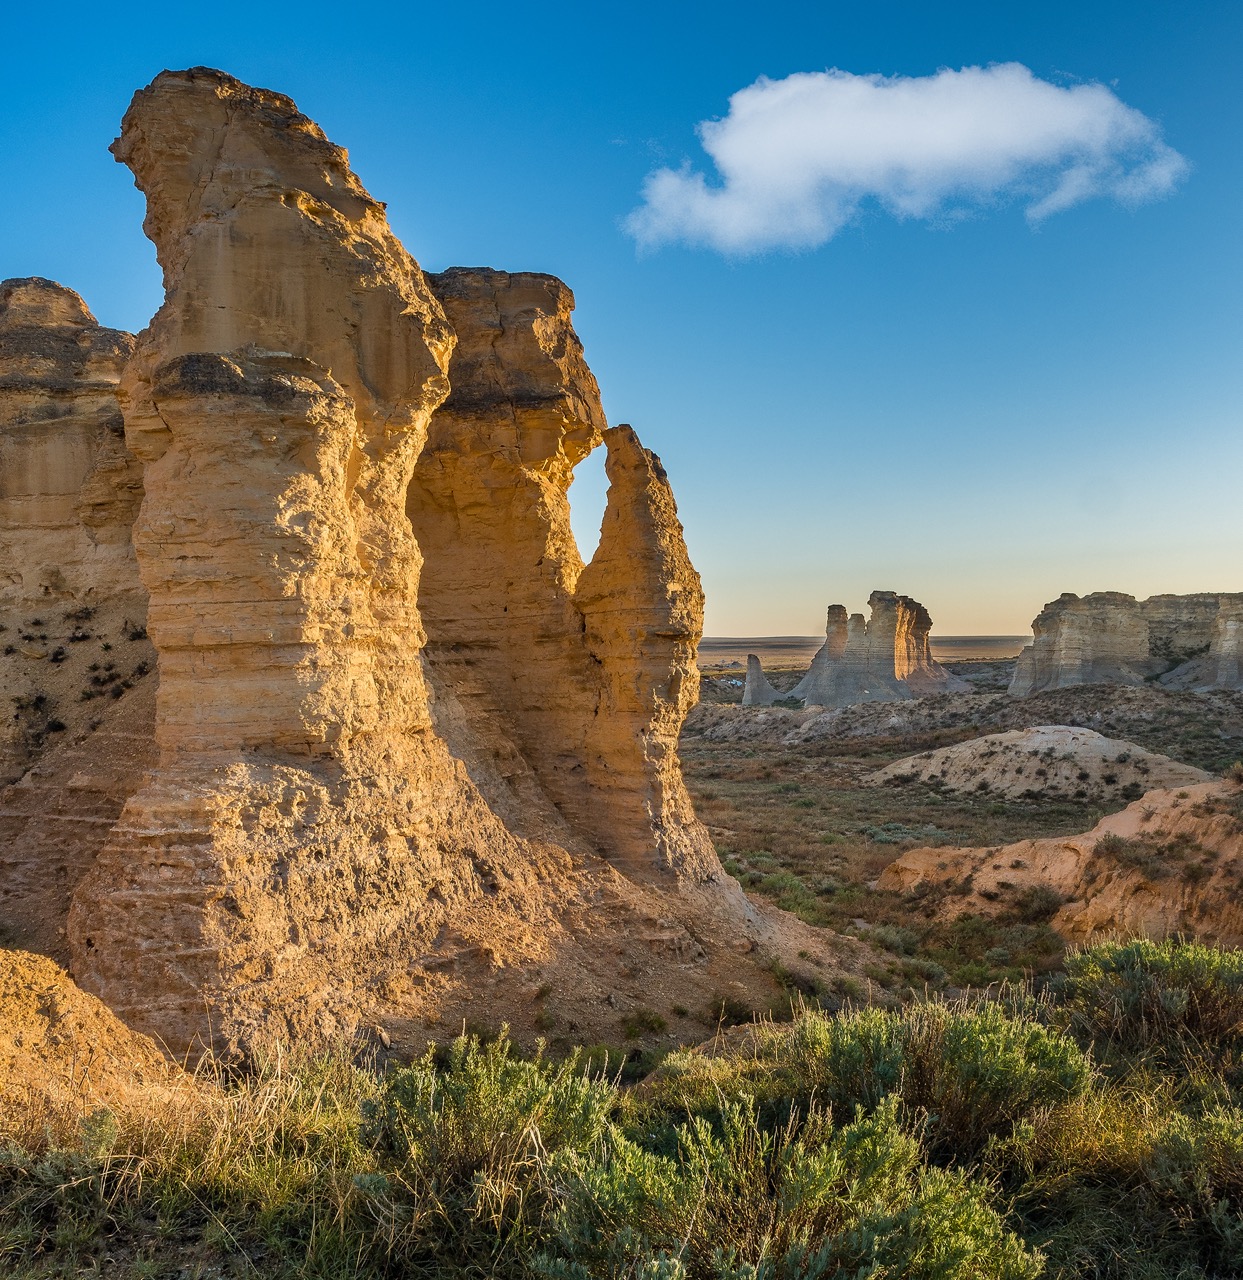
column 588, row 672
column 1187, row 642
column 306, row 831
column 320, row 838
column 1167, row 864
column 884, row 659
column 68, row 487
column 1046, row 761
column 757, row 692
column 68, row 493
column 1222, row 666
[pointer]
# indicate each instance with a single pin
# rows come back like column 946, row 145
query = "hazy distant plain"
column 797, row 651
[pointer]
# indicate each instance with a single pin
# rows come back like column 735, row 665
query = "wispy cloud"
column 796, row 158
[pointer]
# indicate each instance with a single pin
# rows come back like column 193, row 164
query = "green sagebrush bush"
column 1172, row 999
column 964, row 1073
column 937, row 1140
column 738, row 1201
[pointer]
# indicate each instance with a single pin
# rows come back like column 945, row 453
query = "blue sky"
column 973, row 409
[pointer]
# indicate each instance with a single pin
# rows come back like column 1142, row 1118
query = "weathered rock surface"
column 1168, row 864
column 335, row 831
column 306, row 833
column 589, row 672
column 68, row 492
column 886, row 658
column 68, row 486
column 1046, row 761
column 58, row 816
column 1187, row 642
column 757, row 692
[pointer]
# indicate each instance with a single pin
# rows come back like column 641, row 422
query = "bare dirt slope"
column 63, row 1049
column 1167, row 864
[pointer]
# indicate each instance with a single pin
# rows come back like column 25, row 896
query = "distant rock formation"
column 68, row 486
column 756, row 691
column 1186, row 642
column 884, row 659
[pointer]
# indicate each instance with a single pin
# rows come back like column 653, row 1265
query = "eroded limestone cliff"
column 306, row 833
column 1186, row 642
column 338, row 829
column 756, row 690
column 68, row 486
column 588, row 672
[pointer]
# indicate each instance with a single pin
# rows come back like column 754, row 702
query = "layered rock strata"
column 306, row 832
column 886, row 658
column 588, row 672
column 68, row 486
column 68, row 492
column 309, row 847
column 1186, row 642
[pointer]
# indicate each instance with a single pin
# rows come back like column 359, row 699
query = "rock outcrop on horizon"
column 587, row 671
column 68, row 486
column 1108, row 637
column 886, row 658
column 342, row 825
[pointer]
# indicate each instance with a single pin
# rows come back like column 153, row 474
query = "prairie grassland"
column 1092, row 1130
column 796, row 823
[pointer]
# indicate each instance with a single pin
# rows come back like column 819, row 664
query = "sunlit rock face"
column 588, row 671
column 306, row 833
column 334, row 813
column 1185, row 642
column 68, row 486
column 886, row 658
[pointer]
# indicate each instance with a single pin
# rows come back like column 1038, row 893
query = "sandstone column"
column 306, row 834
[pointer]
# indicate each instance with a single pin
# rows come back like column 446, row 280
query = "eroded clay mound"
column 1168, row 864
column 1050, row 761
column 66, row 1049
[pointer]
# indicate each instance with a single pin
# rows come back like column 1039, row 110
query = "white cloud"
column 796, row 158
